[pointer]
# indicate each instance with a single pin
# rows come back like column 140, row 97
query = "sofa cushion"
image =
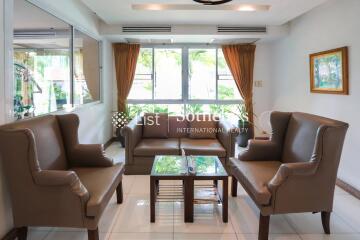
column 101, row 184
column 254, row 176
column 178, row 127
column 202, row 126
column 156, row 125
column 202, row 147
column 152, row 147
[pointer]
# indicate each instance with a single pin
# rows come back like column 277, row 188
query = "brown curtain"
column 240, row 59
column 126, row 56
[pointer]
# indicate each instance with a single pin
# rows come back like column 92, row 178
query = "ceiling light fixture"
column 212, row 2
column 247, row 8
column 198, row 7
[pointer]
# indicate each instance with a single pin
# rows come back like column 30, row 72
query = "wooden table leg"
column 189, row 200
column 225, row 200
column 157, row 183
column 215, row 183
column 153, row 193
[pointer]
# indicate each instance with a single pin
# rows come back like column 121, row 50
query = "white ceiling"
column 121, row 12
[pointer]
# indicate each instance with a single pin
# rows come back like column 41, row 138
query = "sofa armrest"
column 227, row 136
column 132, row 133
column 90, row 155
column 260, row 150
column 52, row 178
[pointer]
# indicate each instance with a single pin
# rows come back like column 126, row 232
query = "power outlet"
column 258, row 83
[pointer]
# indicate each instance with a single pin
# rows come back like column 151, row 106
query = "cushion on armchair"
column 254, row 176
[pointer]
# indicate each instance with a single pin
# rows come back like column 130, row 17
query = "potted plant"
column 120, row 119
column 244, row 125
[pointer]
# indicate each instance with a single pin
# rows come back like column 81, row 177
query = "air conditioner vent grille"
column 146, row 29
column 237, row 29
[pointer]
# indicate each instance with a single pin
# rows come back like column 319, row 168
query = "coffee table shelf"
column 176, row 168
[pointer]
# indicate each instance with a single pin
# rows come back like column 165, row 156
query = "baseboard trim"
column 12, row 235
column 348, row 188
column 108, row 143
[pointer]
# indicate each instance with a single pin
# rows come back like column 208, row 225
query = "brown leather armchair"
column 295, row 171
column 53, row 180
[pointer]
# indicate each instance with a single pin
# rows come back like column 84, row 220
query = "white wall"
column 262, row 95
column 332, row 25
column 95, row 119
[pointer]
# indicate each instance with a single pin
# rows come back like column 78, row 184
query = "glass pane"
column 41, row 61
column 145, row 61
column 208, row 166
column 223, row 68
column 171, row 109
column 143, row 85
column 169, row 166
column 227, row 90
column 176, row 110
column 202, row 73
column 86, row 69
column 141, row 89
column 168, row 74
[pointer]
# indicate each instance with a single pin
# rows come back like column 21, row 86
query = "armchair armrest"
column 226, row 136
column 261, row 150
column 132, row 133
column 291, row 169
column 90, row 155
column 52, row 178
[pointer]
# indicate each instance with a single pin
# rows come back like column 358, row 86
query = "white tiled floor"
column 131, row 220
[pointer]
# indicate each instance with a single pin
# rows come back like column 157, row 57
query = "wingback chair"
column 53, row 180
column 295, row 171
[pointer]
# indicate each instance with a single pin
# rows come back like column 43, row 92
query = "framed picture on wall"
column 329, row 72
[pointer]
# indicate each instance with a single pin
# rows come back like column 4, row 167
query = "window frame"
column 185, row 78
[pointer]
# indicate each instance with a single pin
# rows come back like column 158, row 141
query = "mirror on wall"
column 43, row 63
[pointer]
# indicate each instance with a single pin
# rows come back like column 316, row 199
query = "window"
column 43, row 63
column 227, row 89
column 202, row 74
column 142, row 87
column 153, row 80
column 167, row 76
column 183, row 75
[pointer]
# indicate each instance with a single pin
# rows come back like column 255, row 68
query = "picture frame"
column 329, row 72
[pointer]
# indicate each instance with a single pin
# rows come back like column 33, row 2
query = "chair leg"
column 325, row 219
column 234, row 184
column 264, row 224
column 22, row 233
column 119, row 193
column 93, row 234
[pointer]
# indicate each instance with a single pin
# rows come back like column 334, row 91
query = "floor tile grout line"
column 293, row 227
column 46, row 235
column 346, row 222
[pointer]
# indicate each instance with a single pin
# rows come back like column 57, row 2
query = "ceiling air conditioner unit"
column 240, row 29
column 146, row 29
column 33, row 34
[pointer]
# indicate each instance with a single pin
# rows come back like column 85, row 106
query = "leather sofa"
column 173, row 133
column 293, row 172
column 53, row 180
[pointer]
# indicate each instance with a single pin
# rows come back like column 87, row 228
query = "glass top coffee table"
column 188, row 169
